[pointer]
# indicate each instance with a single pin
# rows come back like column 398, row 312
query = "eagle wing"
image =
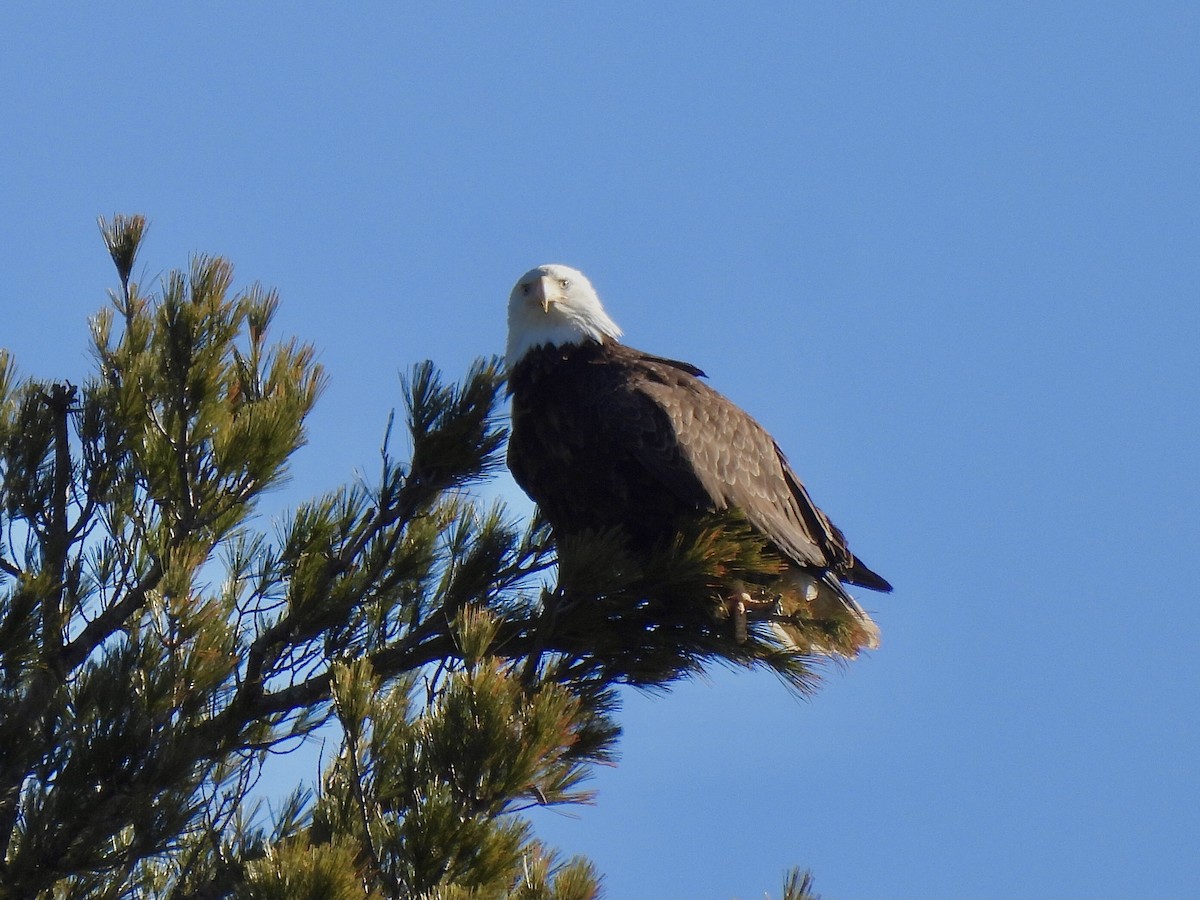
column 737, row 463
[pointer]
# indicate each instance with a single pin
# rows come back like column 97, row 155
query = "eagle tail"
column 818, row 615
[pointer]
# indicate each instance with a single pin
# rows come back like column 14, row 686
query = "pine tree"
column 157, row 641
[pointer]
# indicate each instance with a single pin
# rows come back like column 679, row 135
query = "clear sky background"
column 949, row 254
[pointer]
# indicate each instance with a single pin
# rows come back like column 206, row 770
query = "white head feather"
column 555, row 305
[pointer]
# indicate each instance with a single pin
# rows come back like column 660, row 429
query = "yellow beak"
column 544, row 291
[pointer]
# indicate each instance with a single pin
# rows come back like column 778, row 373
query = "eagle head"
column 555, row 305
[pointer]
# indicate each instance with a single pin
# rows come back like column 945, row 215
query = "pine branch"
column 139, row 702
column 55, row 541
column 103, row 626
column 798, row 885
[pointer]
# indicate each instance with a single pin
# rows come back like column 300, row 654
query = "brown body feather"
column 604, row 435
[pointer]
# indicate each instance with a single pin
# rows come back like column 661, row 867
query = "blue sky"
column 948, row 253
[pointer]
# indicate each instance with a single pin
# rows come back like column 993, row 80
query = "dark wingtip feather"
column 864, row 577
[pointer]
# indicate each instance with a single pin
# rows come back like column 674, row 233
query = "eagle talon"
column 764, row 608
column 736, row 606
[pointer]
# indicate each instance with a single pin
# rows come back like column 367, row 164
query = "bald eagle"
column 605, row 436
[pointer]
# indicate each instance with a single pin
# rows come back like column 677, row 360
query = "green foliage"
column 430, row 776
column 156, row 644
column 295, row 870
column 798, row 885
column 649, row 620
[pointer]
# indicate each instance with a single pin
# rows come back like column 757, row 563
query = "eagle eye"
column 564, row 283
column 525, row 289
